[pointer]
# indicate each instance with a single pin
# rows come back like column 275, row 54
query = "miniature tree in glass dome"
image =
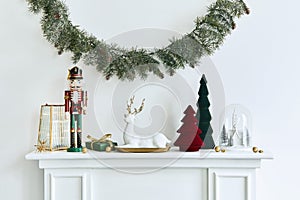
column 235, row 127
column 223, row 137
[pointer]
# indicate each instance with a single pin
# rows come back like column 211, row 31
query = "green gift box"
column 99, row 146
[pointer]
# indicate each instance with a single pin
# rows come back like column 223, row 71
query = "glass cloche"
column 235, row 127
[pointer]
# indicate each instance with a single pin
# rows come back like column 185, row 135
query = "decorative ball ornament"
column 217, row 148
column 255, row 149
column 223, row 150
column 108, row 149
column 84, row 150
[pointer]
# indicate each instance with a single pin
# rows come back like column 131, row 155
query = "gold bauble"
column 261, row 151
column 255, row 149
column 223, row 150
column 217, row 149
column 108, row 149
column 84, row 150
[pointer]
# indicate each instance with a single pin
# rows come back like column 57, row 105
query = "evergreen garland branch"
column 109, row 59
column 124, row 66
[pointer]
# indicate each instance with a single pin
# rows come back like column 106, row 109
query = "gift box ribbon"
column 105, row 138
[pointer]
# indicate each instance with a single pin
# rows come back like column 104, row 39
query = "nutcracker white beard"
column 76, row 88
column 75, row 96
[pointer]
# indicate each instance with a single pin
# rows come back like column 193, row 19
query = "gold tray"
column 142, row 150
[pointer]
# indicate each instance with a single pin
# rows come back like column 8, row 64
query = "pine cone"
column 161, row 75
column 247, row 11
column 57, row 16
column 233, row 26
column 107, row 77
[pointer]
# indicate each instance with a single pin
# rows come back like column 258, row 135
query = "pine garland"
column 207, row 36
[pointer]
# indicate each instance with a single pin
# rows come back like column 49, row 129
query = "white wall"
column 258, row 65
column 260, row 69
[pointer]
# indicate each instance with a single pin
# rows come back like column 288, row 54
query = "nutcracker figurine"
column 75, row 106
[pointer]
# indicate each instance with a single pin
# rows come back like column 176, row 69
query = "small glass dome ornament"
column 236, row 127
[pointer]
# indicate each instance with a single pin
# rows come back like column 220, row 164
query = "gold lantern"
column 54, row 129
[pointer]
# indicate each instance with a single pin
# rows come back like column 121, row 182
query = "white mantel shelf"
column 212, row 174
column 190, row 159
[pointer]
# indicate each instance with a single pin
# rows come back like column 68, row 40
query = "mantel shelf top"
column 173, row 153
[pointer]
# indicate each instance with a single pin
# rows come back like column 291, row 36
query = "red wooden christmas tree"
column 189, row 139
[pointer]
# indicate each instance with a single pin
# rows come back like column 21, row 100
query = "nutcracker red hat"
column 75, row 74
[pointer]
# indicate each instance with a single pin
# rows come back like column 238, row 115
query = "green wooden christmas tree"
column 203, row 115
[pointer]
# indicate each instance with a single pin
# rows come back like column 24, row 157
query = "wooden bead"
column 217, row 149
column 255, row 149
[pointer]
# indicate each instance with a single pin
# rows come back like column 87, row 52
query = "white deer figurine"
column 131, row 139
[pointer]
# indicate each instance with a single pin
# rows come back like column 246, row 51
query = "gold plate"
column 142, row 150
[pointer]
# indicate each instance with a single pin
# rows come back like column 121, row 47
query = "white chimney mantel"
column 202, row 175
